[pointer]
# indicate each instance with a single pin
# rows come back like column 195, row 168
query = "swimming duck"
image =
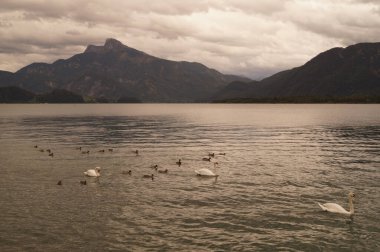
column 149, row 176
column 163, row 171
column 179, row 163
column 154, row 167
column 127, row 172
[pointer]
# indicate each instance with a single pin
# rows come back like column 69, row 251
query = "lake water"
column 280, row 160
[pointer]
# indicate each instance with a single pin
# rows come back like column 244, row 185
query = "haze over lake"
column 280, row 160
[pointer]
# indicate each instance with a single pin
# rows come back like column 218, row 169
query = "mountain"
column 5, row 76
column 15, row 95
column 339, row 72
column 18, row 95
column 59, row 96
column 115, row 71
column 235, row 89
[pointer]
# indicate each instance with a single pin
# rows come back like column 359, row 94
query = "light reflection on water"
column 280, row 160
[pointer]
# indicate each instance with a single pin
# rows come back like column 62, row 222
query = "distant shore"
column 307, row 99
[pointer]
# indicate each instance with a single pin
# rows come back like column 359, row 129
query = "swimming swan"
column 93, row 172
column 335, row 208
column 205, row 172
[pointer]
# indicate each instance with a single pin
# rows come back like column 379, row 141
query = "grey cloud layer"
column 252, row 38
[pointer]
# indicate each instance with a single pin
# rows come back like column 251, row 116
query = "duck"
column 83, row 182
column 179, row 162
column 78, row 148
column 51, row 154
column 222, row 153
column 86, row 152
column 163, row 171
column 136, row 152
column 35, row 146
column 101, row 151
column 93, row 172
column 110, row 150
column 127, row 172
column 149, row 176
column 205, row 173
column 48, row 150
column 335, row 208
column 207, row 159
column 154, row 167
column 59, row 182
column 211, row 154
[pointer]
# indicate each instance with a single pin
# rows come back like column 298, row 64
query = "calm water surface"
column 280, row 160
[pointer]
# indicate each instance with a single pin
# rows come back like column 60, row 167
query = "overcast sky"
column 255, row 38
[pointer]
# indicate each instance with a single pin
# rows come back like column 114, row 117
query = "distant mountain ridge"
column 117, row 73
column 339, row 72
column 114, row 71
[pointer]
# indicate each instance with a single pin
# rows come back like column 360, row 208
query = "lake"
column 280, row 160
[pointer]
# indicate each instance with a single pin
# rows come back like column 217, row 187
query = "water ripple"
column 270, row 180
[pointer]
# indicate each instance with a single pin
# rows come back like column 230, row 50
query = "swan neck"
column 351, row 203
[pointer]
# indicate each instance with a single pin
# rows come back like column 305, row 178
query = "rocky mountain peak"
column 113, row 44
column 114, row 71
column 110, row 45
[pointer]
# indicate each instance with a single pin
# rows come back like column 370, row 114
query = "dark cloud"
column 252, row 38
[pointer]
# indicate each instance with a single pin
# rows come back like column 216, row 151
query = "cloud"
column 345, row 21
column 252, row 38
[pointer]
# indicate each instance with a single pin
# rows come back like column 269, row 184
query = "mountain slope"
column 338, row 72
column 59, row 96
column 15, row 95
column 114, row 70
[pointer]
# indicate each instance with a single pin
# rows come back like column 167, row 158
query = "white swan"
column 93, row 172
column 205, row 172
column 335, row 208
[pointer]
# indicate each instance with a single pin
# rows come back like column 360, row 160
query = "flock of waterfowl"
column 51, row 154
column 204, row 172
column 96, row 171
